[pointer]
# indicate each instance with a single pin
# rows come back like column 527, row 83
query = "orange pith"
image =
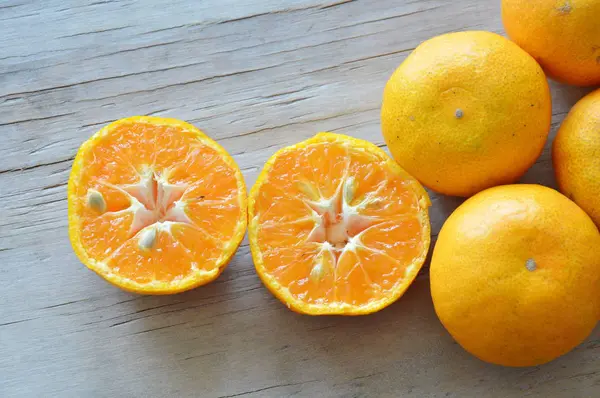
column 337, row 227
column 155, row 206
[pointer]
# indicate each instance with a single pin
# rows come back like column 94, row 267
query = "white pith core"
column 154, row 202
column 338, row 224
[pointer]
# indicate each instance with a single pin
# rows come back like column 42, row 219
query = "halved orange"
column 155, row 206
column 337, row 227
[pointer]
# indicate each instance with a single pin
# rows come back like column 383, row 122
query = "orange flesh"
column 336, row 224
column 159, row 178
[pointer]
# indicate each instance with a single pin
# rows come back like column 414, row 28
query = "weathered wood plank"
column 256, row 76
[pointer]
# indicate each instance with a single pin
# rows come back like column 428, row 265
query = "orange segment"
column 149, row 266
column 113, row 153
column 328, row 164
column 102, row 235
column 281, row 207
column 336, row 227
column 217, row 219
column 214, row 187
column 318, row 169
column 132, row 264
column 207, row 250
column 286, row 234
column 155, row 206
column 115, row 199
column 354, row 286
column 173, row 146
column 168, row 250
column 391, row 197
column 384, row 271
column 366, row 167
column 400, row 239
column 307, row 272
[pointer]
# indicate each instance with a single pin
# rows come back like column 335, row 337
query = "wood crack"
column 11, row 6
column 97, row 124
column 131, row 313
column 133, row 49
column 234, row 312
column 367, row 376
column 168, row 86
column 102, row 79
column 322, row 328
column 158, row 328
column 59, row 185
column 62, row 50
column 37, row 166
column 63, row 304
column 408, row 14
column 19, row 321
column 154, row 308
column 94, row 32
column 339, row 3
column 37, row 119
column 204, row 355
column 296, row 123
column 20, row 16
column 333, row 67
column 269, row 388
column 262, row 14
column 275, row 12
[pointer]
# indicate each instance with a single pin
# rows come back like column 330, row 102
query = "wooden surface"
column 255, row 75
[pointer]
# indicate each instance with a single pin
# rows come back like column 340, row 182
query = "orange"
column 466, row 111
column 336, row 227
column 155, row 206
column 515, row 275
column 576, row 155
column 562, row 35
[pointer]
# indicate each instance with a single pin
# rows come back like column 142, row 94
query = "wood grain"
column 255, row 75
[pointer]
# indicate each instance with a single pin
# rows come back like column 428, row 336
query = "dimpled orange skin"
column 562, row 35
column 515, row 275
column 466, row 111
column 576, row 155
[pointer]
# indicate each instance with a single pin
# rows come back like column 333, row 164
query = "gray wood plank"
column 256, row 76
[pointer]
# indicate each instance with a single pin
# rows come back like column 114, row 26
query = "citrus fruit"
column 336, row 227
column 466, row 111
column 576, row 155
column 515, row 275
column 155, row 206
column 562, row 35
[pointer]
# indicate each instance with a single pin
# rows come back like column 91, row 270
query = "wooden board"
column 255, row 75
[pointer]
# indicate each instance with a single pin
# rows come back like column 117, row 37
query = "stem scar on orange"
column 155, row 206
column 337, row 227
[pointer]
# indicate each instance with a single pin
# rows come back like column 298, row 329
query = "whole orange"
column 562, row 35
column 576, row 155
column 466, row 111
column 515, row 275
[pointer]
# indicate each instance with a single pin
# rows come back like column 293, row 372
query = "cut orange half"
column 337, row 227
column 155, row 206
